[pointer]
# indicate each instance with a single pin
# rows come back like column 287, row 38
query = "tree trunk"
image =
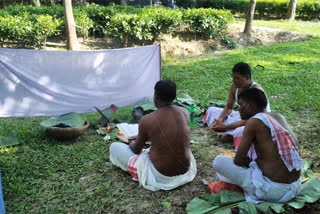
column 292, row 10
column 122, row 2
column 53, row 3
column 72, row 41
column 249, row 19
column 36, row 3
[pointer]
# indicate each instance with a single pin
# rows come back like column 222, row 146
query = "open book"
column 127, row 131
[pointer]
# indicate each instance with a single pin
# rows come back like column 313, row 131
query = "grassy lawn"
column 42, row 175
column 305, row 27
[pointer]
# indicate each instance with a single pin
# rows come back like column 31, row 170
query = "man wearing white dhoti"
column 225, row 122
column 169, row 162
column 276, row 148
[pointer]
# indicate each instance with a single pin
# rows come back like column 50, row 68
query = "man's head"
column 241, row 75
column 251, row 101
column 165, row 91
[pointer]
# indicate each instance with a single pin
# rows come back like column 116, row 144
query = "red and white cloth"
column 287, row 148
column 132, row 167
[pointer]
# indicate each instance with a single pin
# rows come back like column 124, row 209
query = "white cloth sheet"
column 45, row 83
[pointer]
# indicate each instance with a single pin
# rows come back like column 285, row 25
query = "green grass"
column 290, row 76
column 42, row 175
column 305, row 27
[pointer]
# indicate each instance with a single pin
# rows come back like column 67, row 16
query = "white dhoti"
column 257, row 187
column 142, row 169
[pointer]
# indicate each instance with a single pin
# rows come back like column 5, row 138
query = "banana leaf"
column 69, row 120
column 310, row 192
column 146, row 104
column 222, row 202
column 186, row 101
column 220, row 103
column 9, row 140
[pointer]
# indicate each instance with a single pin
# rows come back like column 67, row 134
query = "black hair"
column 166, row 90
column 254, row 96
column 242, row 68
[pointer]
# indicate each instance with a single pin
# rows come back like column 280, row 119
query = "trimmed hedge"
column 123, row 22
column 27, row 30
column 306, row 9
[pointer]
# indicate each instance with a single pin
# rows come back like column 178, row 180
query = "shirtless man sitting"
column 168, row 163
column 275, row 174
column 225, row 122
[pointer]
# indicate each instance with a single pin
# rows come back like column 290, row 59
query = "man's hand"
column 218, row 126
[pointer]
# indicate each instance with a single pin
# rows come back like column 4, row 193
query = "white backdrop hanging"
column 44, row 83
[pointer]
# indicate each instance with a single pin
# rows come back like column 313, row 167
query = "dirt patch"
column 190, row 45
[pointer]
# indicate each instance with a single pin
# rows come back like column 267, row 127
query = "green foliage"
column 123, row 22
column 27, row 30
column 207, row 22
column 306, row 9
column 84, row 25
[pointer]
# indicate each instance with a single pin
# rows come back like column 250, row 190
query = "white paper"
column 129, row 130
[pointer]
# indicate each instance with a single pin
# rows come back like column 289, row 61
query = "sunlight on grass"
column 309, row 28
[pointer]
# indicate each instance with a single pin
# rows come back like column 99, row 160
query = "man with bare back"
column 168, row 163
column 274, row 175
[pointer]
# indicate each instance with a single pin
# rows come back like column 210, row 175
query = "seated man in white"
column 225, row 122
column 168, row 163
column 274, row 175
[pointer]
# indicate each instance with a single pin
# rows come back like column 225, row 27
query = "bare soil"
column 191, row 45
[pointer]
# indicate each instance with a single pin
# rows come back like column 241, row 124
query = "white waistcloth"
column 257, row 187
column 153, row 180
column 148, row 176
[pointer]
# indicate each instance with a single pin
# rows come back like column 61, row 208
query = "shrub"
column 306, row 9
column 27, row 30
column 83, row 23
column 207, row 22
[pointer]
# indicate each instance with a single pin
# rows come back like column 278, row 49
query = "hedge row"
column 30, row 26
column 306, row 9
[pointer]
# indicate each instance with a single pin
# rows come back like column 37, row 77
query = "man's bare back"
column 169, row 133
column 268, row 158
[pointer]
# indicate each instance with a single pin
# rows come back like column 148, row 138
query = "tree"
column 292, row 10
column 250, row 15
column 72, row 41
column 36, row 3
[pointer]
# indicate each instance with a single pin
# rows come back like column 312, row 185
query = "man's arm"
column 248, row 136
column 231, row 100
column 137, row 145
column 218, row 125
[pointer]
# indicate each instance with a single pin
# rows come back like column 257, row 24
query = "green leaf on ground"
column 213, row 199
column 310, row 192
column 199, row 206
column 9, row 140
column 228, row 197
column 267, row 207
column 247, row 208
column 73, row 120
